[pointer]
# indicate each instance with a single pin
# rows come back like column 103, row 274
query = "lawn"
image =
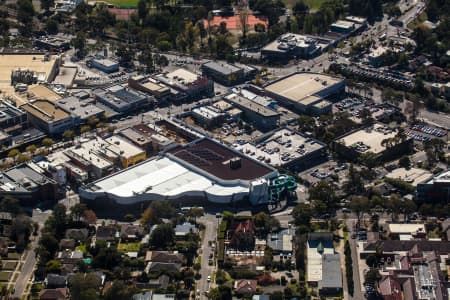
column 4, row 276
column 82, row 248
column 129, row 247
column 125, row 3
column 9, row 265
column 313, row 4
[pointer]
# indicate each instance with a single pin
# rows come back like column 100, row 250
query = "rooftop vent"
column 235, row 163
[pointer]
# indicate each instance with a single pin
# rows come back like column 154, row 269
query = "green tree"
column 77, row 211
column 31, row 149
column 359, row 205
column 13, row 153
column 85, row 128
column 11, row 205
column 79, row 43
column 25, row 11
column 163, row 209
column 120, row 290
column 68, row 135
column 302, row 214
column 149, row 217
column 163, row 236
column 47, row 142
column 324, row 192
column 404, row 162
column 84, row 286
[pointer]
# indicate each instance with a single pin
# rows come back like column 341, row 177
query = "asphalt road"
column 28, row 267
column 210, row 223
column 357, row 294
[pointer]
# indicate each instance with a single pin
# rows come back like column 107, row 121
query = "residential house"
column 406, row 231
column 159, row 283
column 182, row 230
column 131, row 232
column 72, row 257
column 245, row 286
column 54, row 294
column 164, row 257
column 54, row 281
column 67, row 244
column 261, row 297
column 152, row 296
column 160, row 266
column 106, row 233
column 281, row 242
column 77, row 234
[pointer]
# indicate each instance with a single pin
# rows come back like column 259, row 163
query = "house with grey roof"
column 281, row 242
column 182, row 230
column 331, row 283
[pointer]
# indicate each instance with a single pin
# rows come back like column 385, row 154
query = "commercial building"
column 159, row 90
column 435, row 189
column 377, row 55
column 12, row 119
column 228, row 74
column 306, row 92
column 261, row 117
column 122, row 99
column 193, row 85
column 105, row 64
column 85, row 156
column 152, row 139
column 43, row 67
column 286, row 148
column 344, row 27
column 203, row 170
column 291, row 45
column 127, row 153
column 207, row 116
column 46, row 116
column 323, row 264
column 80, row 110
column 26, row 183
column 413, row 176
column 381, row 141
column 52, row 43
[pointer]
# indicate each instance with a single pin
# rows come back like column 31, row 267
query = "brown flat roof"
column 214, row 158
column 45, row 110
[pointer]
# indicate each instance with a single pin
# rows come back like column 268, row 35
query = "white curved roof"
column 164, row 177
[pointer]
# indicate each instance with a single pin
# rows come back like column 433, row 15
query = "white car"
column 209, row 278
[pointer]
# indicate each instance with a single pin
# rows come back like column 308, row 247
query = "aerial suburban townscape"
column 195, row 150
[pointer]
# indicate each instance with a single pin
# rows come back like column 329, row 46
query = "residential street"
column 210, row 223
column 27, row 270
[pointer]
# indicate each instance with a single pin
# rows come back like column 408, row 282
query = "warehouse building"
column 306, row 92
